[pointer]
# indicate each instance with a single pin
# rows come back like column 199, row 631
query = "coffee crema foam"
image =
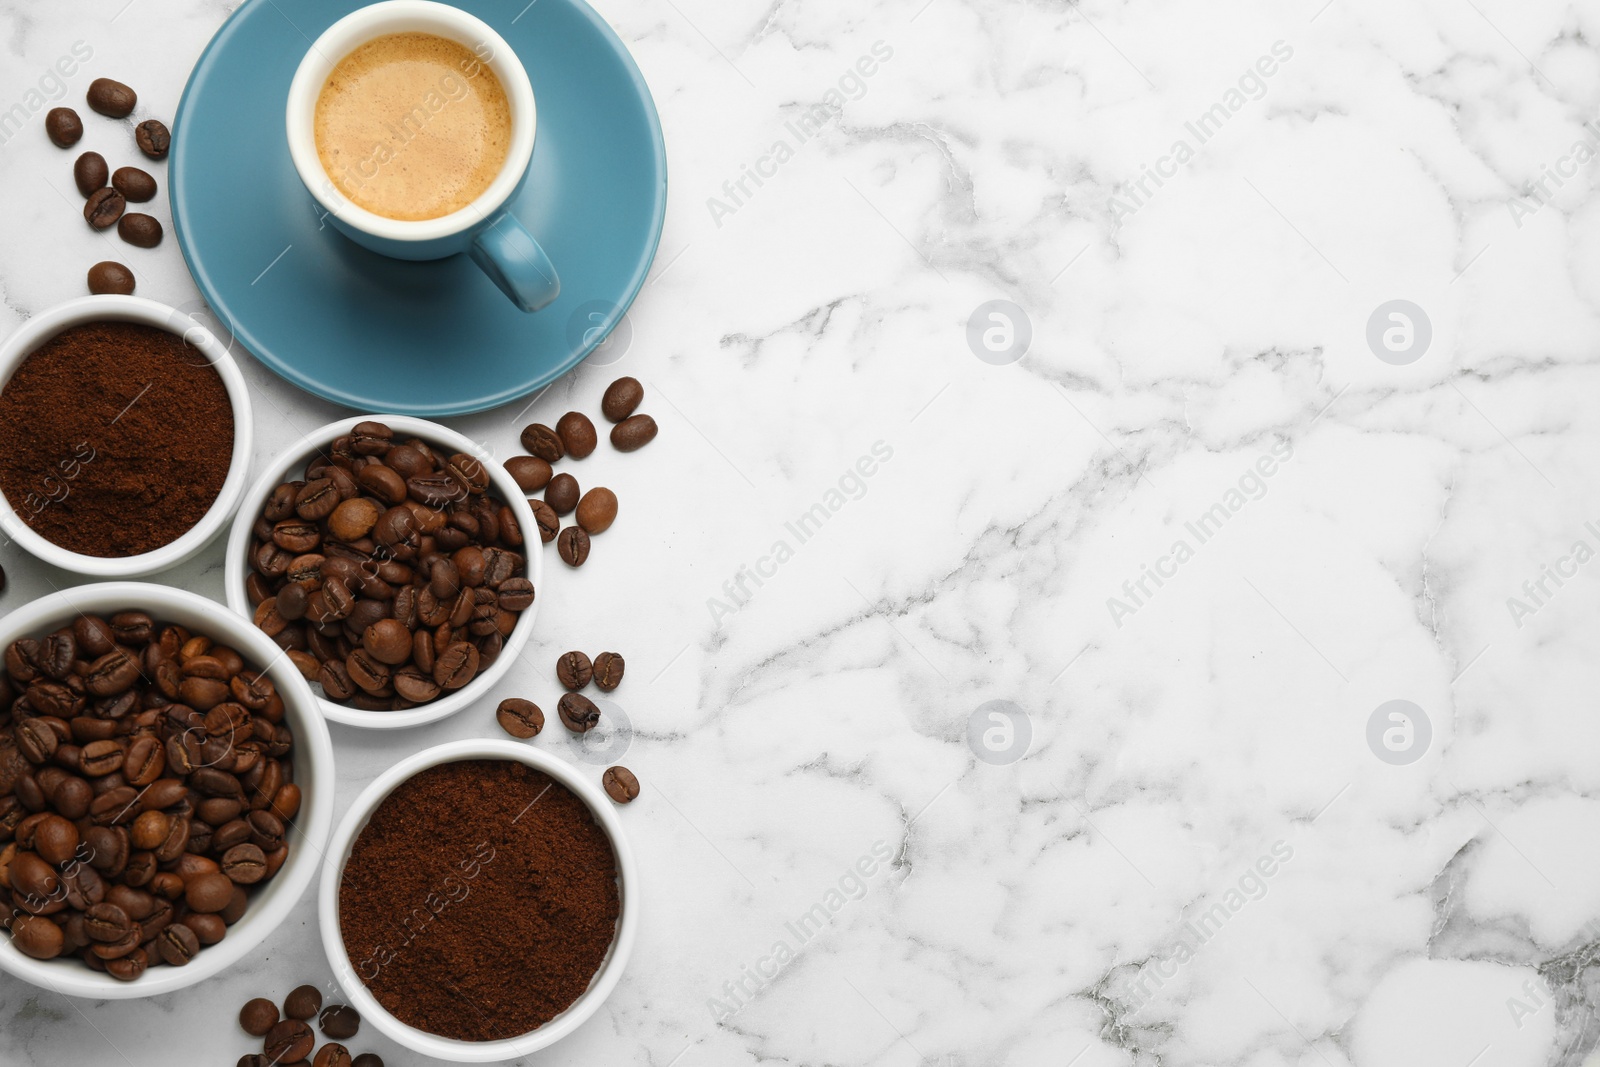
column 412, row 126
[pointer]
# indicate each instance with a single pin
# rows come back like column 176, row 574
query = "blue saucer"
column 416, row 338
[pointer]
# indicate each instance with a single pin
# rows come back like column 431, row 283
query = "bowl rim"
column 314, row 772
column 28, row 337
column 605, row 978
column 236, row 568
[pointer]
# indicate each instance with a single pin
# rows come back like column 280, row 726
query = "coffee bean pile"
column 105, row 205
column 289, row 1040
column 389, row 573
column 574, row 437
column 145, row 783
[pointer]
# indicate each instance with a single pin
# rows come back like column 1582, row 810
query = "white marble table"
column 1200, row 859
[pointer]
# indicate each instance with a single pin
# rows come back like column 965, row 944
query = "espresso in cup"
column 412, row 126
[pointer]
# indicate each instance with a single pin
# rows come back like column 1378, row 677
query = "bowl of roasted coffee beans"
column 480, row 901
column 125, row 436
column 166, row 789
column 386, row 555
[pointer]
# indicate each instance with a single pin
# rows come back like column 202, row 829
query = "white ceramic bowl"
column 600, row 986
column 291, row 464
column 271, row 902
column 45, row 325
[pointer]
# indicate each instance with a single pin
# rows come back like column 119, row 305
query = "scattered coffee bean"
column 332, row 1054
column 530, row 472
column 303, row 1002
column 577, row 434
column 258, row 1016
column 110, row 277
column 89, row 172
column 574, row 670
column 63, row 126
column 155, row 742
column 620, row 784
column 597, row 510
column 367, row 1059
column 111, row 98
column 520, row 718
column 577, row 713
column 143, row 231
column 254, row 1059
column 288, row 1042
column 608, row 668
column 633, row 433
column 153, row 138
column 135, row 185
column 340, row 1022
column 104, row 207
column 562, row 494
column 549, row 523
column 621, row 399
column 573, row 545
column 543, row 442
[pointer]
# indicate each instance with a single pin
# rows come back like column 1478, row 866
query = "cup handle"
column 513, row 260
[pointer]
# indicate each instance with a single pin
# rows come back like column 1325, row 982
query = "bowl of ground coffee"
column 479, row 901
column 125, row 435
column 386, row 556
column 150, row 844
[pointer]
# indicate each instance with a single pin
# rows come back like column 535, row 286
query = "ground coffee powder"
column 479, row 900
column 115, row 438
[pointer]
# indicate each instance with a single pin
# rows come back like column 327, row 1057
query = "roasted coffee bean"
column 577, row 434
column 340, row 1022
column 382, row 482
column 608, row 668
column 468, row 472
column 150, row 829
column 332, row 1054
column 130, row 967
column 577, row 713
column 207, row 893
column 258, row 1016
column 55, row 838
column 355, row 518
column 456, row 665
column 597, row 510
column 367, row 1059
column 515, row 595
column 112, row 673
column 316, row 499
column 519, row 718
column 142, row 231
column 36, row 740
column 245, row 864
column 109, row 277
column 370, row 438
column 633, row 433
column 63, row 126
column 177, row 944
column 574, row 670
column 621, row 399
column 529, row 472
column 562, row 494
column 388, row 641
column 90, row 172
column 303, row 1002
column 111, row 98
column 266, row 830
column 620, row 784
column 106, row 923
column 411, row 684
column 290, row 1041
column 37, row 936
column 153, row 138
column 573, row 546
column 543, row 442
column 104, row 208
column 369, row 674
column 135, row 185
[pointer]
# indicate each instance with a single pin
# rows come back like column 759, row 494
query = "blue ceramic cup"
column 485, row 230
